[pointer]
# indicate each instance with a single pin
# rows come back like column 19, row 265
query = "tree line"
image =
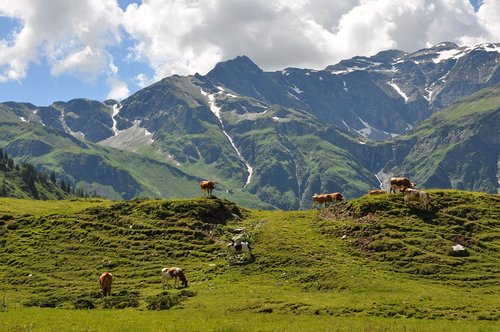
column 28, row 179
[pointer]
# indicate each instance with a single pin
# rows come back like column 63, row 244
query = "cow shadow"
column 242, row 262
column 426, row 214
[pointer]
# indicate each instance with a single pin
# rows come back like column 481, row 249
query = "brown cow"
column 336, row 197
column 105, row 280
column 326, row 199
column 417, row 196
column 207, row 187
column 377, row 192
column 322, row 199
column 400, row 183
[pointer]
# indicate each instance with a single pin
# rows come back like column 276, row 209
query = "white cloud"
column 118, row 89
column 184, row 37
column 188, row 36
column 70, row 35
column 142, row 80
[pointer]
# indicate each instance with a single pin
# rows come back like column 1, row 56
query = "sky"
column 57, row 50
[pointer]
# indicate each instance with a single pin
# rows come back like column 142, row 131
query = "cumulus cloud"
column 184, row 37
column 71, row 36
column 188, row 36
column 118, row 89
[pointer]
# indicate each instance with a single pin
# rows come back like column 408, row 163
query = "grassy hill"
column 369, row 264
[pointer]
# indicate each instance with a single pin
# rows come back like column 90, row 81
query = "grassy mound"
column 59, row 255
column 419, row 241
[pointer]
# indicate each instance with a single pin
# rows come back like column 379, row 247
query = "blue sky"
column 56, row 50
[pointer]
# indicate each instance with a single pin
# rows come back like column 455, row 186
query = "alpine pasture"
column 374, row 263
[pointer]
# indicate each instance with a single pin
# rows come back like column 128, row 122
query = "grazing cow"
column 173, row 273
column 207, row 187
column 326, row 199
column 417, row 196
column 105, row 280
column 400, row 183
column 238, row 248
column 377, row 192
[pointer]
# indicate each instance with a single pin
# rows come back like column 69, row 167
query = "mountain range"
column 273, row 139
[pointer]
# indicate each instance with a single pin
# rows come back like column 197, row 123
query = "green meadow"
column 370, row 264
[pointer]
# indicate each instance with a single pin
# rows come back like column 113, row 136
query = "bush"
column 165, row 300
column 122, row 300
column 46, row 302
column 84, row 303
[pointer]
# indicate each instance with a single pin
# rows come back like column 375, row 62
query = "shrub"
column 84, row 303
column 165, row 300
column 124, row 299
column 162, row 301
column 46, row 302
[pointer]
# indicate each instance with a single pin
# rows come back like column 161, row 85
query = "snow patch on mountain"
column 398, row 90
column 116, row 110
column 62, row 119
column 296, row 89
column 291, row 95
column 345, row 124
column 216, row 111
column 367, row 130
column 449, row 54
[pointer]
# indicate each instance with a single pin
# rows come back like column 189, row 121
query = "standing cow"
column 105, row 280
column 207, row 187
column 238, row 248
column 400, row 183
column 173, row 273
column 326, row 199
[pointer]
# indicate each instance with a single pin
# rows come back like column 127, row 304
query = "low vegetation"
column 369, row 264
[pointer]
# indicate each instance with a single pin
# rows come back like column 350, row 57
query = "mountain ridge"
column 279, row 137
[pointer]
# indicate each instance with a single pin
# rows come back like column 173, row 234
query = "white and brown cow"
column 175, row 273
column 420, row 196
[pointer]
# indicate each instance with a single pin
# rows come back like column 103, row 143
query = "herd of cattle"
column 400, row 184
column 234, row 248
column 237, row 246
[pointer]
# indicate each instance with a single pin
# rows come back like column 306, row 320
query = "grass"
column 352, row 267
